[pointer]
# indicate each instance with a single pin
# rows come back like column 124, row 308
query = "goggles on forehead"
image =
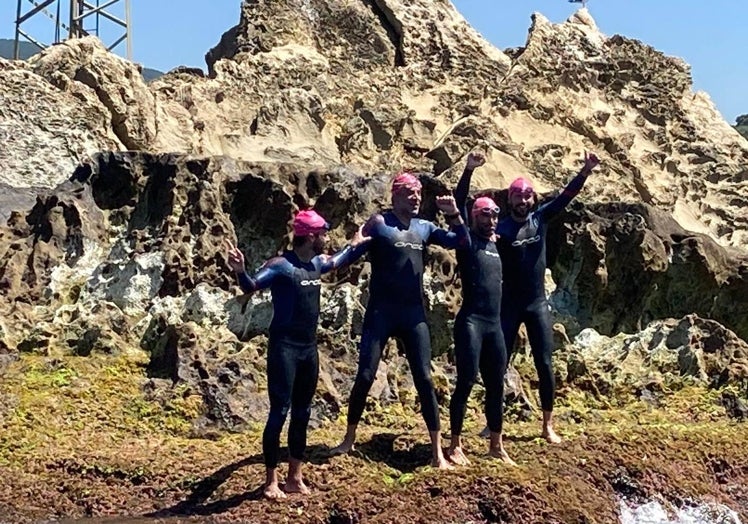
column 488, row 211
column 485, row 206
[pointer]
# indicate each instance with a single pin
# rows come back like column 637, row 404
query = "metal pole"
column 73, row 31
column 127, row 29
column 16, row 47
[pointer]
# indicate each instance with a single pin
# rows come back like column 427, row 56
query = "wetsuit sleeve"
column 461, row 192
column 456, row 238
column 345, row 256
column 370, row 229
column 571, row 190
column 263, row 278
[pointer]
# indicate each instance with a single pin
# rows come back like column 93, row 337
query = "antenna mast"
column 114, row 13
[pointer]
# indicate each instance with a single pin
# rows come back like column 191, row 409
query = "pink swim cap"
column 406, row 180
column 520, row 185
column 485, row 205
column 309, row 222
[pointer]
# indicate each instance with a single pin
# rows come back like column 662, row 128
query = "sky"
column 708, row 34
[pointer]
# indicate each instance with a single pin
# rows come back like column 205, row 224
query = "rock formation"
column 656, row 359
column 316, row 102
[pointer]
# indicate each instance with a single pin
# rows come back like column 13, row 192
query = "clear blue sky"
column 709, row 34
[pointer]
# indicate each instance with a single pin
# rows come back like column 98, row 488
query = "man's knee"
column 278, row 414
column 301, row 414
column 365, row 376
column 423, row 382
column 466, row 381
column 543, row 361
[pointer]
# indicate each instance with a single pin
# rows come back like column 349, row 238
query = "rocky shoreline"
column 78, row 441
column 132, row 376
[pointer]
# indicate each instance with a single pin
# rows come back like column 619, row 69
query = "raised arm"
column 458, row 235
column 260, row 280
column 474, row 160
column 347, row 255
column 572, row 189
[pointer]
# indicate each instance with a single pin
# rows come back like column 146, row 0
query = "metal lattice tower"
column 84, row 18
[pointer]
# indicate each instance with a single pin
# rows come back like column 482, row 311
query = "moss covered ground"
column 78, row 439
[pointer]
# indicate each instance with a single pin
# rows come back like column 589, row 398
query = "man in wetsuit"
column 521, row 243
column 396, row 307
column 479, row 342
column 292, row 365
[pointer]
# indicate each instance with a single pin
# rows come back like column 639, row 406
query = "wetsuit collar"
column 303, row 254
column 476, row 232
column 406, row 223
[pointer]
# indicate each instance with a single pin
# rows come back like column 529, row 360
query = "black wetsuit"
column 292, row 361
column 396, row 308
column 479, row 342
column 522, row 249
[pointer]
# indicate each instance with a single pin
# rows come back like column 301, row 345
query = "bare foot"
column 551, row 436
column 273, row 492
column 343, row 448
column 457, row 456
column 296, row 486
column 441, row 463
column 501, row 455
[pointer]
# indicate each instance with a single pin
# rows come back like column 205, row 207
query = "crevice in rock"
column 391, row 25
column 113, row 184
column 161, row 341
column 157, row 201
column 87, row 78
column 441, row 159
column 381, row 137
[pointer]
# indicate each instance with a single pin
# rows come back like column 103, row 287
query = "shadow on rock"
column 397, row 451
column 195, row 504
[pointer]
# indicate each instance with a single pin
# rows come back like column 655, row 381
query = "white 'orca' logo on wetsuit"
column 316, row 282
column 411, row 245
column 525, row 241
column 491, row 254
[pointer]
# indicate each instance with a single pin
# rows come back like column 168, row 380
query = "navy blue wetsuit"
column 396, row 308
column 293, row 364
column 522, row 249
column 479, row 341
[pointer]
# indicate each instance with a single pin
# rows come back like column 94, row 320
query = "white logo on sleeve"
column 316, row 282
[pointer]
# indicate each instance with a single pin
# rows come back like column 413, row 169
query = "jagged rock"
column 97, row 74
column 570, row 85
column 666, row 355
column 367, row 36
column 15, row 199
column 96, row 326
column 317, row 102
column 735, row 406
column 43, row 142
column 618, row 267
column 388, row 84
